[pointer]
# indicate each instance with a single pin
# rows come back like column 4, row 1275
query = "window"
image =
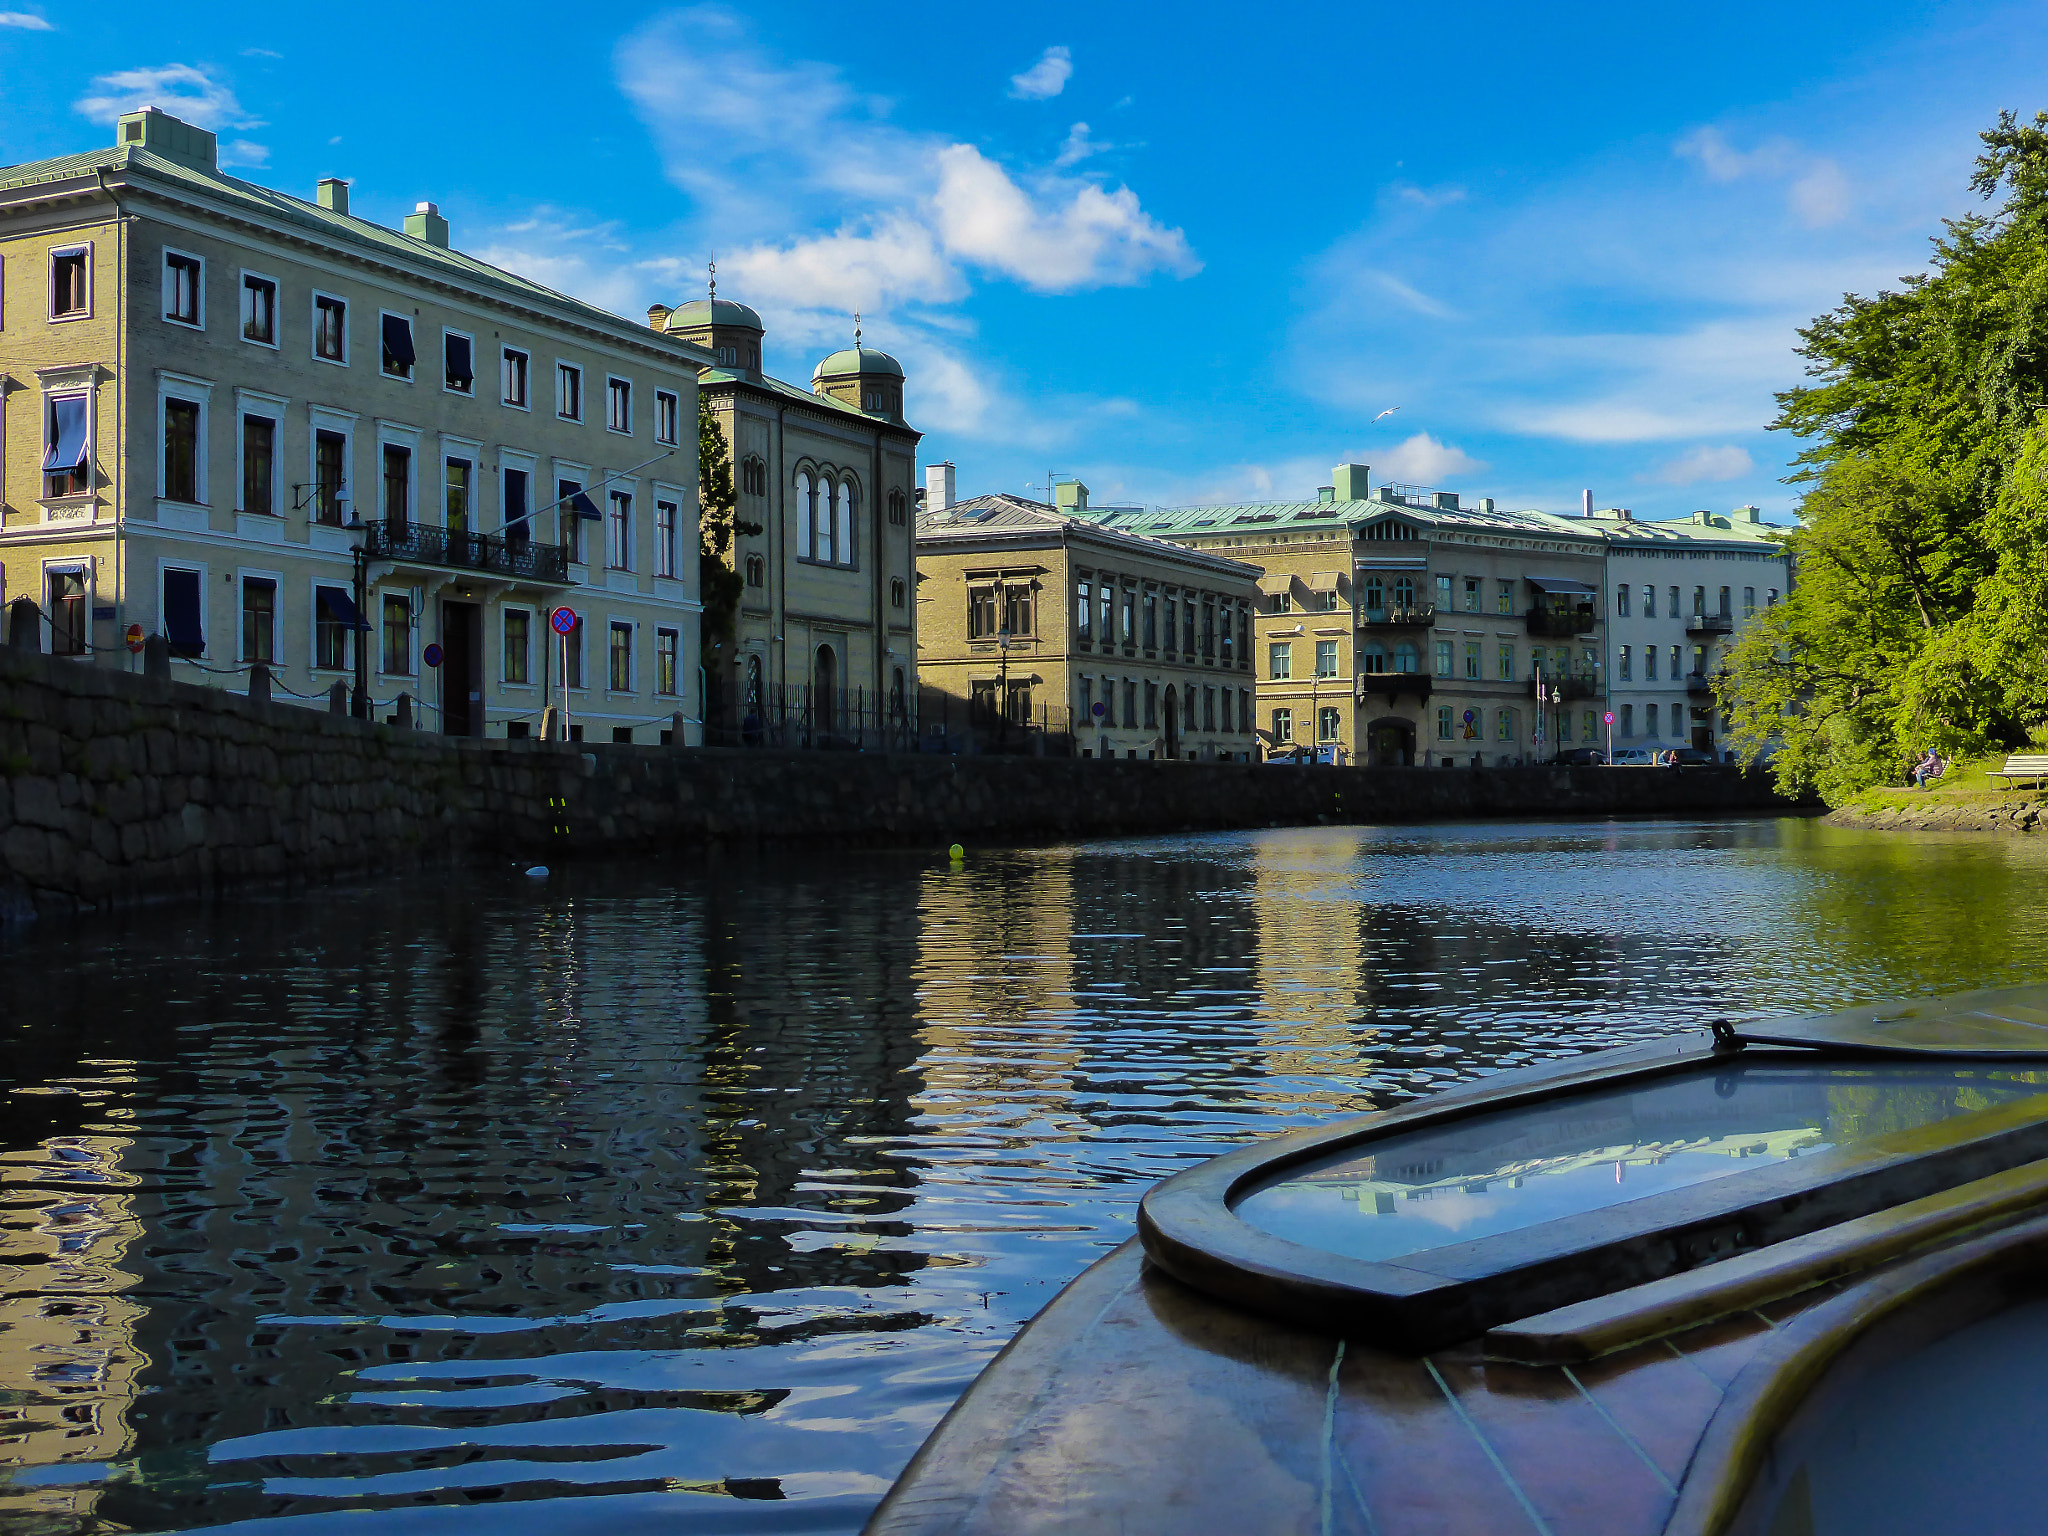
column 668, row 415
column 330, row 328
column 1109, row 701
column 1373, row 659
column 1589, row 726
column 1649, row 602
column 1443, row 594
column 1674, row 673
column 1375, row 594
column 399, row 359
column 182, row 618
column 898, row 592
column 1327, row 601
column 397, row 635
column 618, row 405
column 1280, row 660
column 1627, row 662
column 1564, row 725
column 1503, row 725
column 572, row 657
column 458, row 363
column 67, row 446
column 1749, row 602
column 1208, row 706
column 1621, row 601
column 1151, row 621
column 397, row 483
column 1130, row 701
column 569, row 499
column 1018, row 609
column 512, row 378
column 757, row 571
column 1187, row 628
column 1283, row 727
column 843, row 507
column 1283, row 602
column 1404, row 591
column 1326, row 658
column 330, row 457
column 1771, row 601
column 899, row 509
column 754, row 475
column 71, row 283
column 332, row 613
column 259, row 310
column 1727, row 608
column 1650, row 715
column 1406, row 658
column 259, row 464
column 1443, row 722
column 1699, row 661
column 1472, row 658
column 568, row 392
column 1504, row 600
column 665, row 539
column 184, row 289
column 1674, row 601
column 1104, row 597
column 455, row 474
column 1471, row 594
column 1085, row 691
column 1699, row 600
column 981, row 613
column 1443, row 658
column 620, row 677
column 67, row 613
column 618, row 532
column 667, row 644
column 1083, row 609
column 1151, row 705
column 518, row 529
column 259, row 619
column 1328, row 723
column 1129, row 609
column 181, row 450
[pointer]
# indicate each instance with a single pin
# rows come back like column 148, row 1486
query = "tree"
column 718, row 525
column 1920, row 613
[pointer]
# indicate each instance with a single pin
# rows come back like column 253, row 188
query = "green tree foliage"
column 718, row 524
column 1920, row 613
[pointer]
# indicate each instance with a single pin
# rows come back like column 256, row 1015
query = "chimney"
column 657, row 316
column 1586, row 503
column 1351, row 482
column 425, row 223
column 1486, row 503
column 1749, row 515
column 1326, row 495
column 938, row 486
column 1070, row 496
column 334, row 194
column 160, row 133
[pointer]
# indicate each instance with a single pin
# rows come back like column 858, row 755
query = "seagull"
column 1383, row 415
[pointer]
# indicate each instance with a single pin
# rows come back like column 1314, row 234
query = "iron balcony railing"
column 462, row 551
column 1414, row 616
column 1698, row 682
column 1710, row 624
column 1573, row 685
column 1562, row 621
column 1392, row 684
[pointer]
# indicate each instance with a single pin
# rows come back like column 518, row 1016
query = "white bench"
column 2021, row 768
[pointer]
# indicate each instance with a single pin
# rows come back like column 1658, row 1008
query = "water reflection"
column 695, row 1195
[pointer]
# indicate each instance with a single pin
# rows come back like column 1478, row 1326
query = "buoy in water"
column 538, row 872
column 956, row 852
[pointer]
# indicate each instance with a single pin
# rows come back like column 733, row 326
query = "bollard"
column 259, row 683
column 404, row 720
column 675, row 729
column 24, row 625
column 550, row 724
column 156, row 658
column 337, row 699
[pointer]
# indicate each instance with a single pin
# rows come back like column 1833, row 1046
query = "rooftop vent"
column 1352, row 481
column 333, row 194
column 162, row 134
column 1070, row 496
column 938, row 485
column 1326, row 494
column 425, row 223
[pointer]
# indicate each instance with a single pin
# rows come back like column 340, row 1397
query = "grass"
column 1967, row 781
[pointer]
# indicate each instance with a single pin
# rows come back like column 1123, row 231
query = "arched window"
column 1407, row 658
column 896, row 592
column 821, row 521
column 842, row 540
column 757, row 571
column 1375, row 659
column 806, row 513
column 896, row 508
column 896, row 701
column 1375, row 594
column 1404, row 591
column 753, row 682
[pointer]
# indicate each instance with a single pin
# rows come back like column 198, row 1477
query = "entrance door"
column 462, row 669
column 1392, row 743
column 825, row 691
column 1172, row 722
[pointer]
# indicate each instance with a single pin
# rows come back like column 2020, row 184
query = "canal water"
column 688, row 1198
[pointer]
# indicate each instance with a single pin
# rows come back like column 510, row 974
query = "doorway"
column 1171, row 719
column 1390, row 744
column 825, row 691
column 462, row 669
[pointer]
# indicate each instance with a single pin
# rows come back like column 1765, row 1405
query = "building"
column 274, row 432
column 1398, row 626
column 825, row 643
column 1678, row 593
column 1035, row 618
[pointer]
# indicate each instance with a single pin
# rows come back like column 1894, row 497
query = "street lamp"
column 1002, row 687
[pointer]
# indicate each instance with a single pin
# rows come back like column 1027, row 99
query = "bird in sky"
column 1383, row 415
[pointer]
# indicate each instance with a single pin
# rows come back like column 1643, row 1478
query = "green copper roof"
column 701, row 312
column 857, row 360
column 708, row 378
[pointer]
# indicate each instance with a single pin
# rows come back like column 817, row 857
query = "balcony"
column 1392, row 684
column 1575, row 686
column 1414, row 616
column 1562, row 621
column 1697, row 683
column 1710, row 624
column 417, row 544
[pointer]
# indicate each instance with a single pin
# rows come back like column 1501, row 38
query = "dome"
column 702, row 312
column 856, row 360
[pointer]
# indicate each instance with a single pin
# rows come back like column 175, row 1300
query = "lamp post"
column 1002, row 687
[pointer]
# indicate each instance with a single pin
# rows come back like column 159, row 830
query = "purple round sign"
column 431, row 655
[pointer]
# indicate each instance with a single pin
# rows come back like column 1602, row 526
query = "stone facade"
column 117, row 788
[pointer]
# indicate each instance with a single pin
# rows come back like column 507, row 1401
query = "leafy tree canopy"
column 1919, row 617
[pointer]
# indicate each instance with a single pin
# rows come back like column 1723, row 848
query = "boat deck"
column 1274, row 1430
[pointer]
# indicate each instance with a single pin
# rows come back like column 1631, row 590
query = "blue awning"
column 398, row 342
column 67, row 435
column 583, row 506
column 461, row 373
column 181, row 613
column 342, row 608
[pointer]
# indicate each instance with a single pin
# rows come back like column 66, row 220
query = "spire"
column 714, row 277
column 856, row 330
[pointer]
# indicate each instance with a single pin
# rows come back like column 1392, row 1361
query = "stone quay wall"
column 116, row 788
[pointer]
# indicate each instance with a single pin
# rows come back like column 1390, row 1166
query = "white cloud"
column 1045, row 79
column 243, row 152
column 1428, row 197
column 25, row 21
column 179, row 89
column 1422, row 460
column 1703, row 465
column 1821, row 196
column 1078, row 146
column 261, row 53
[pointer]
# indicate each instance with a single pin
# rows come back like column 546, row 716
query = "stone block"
column 37, row 802
column 26, row 851
column 45, row 749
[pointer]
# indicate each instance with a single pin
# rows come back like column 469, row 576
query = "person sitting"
column 1930, row 766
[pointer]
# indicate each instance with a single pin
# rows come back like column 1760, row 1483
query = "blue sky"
column 1186, row 253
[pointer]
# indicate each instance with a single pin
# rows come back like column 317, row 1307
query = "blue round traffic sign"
column 1099, row 711
column 563, row 621
column 431, row 655
column 1470, row 716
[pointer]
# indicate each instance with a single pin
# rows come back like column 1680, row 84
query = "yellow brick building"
column 274, row 432
column 1034, row 620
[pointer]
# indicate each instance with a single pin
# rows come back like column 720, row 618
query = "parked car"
column 1631, row 757
column 1693, row 757
column 1580, row 757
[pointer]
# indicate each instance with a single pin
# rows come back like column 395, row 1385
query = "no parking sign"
column 563, row 621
